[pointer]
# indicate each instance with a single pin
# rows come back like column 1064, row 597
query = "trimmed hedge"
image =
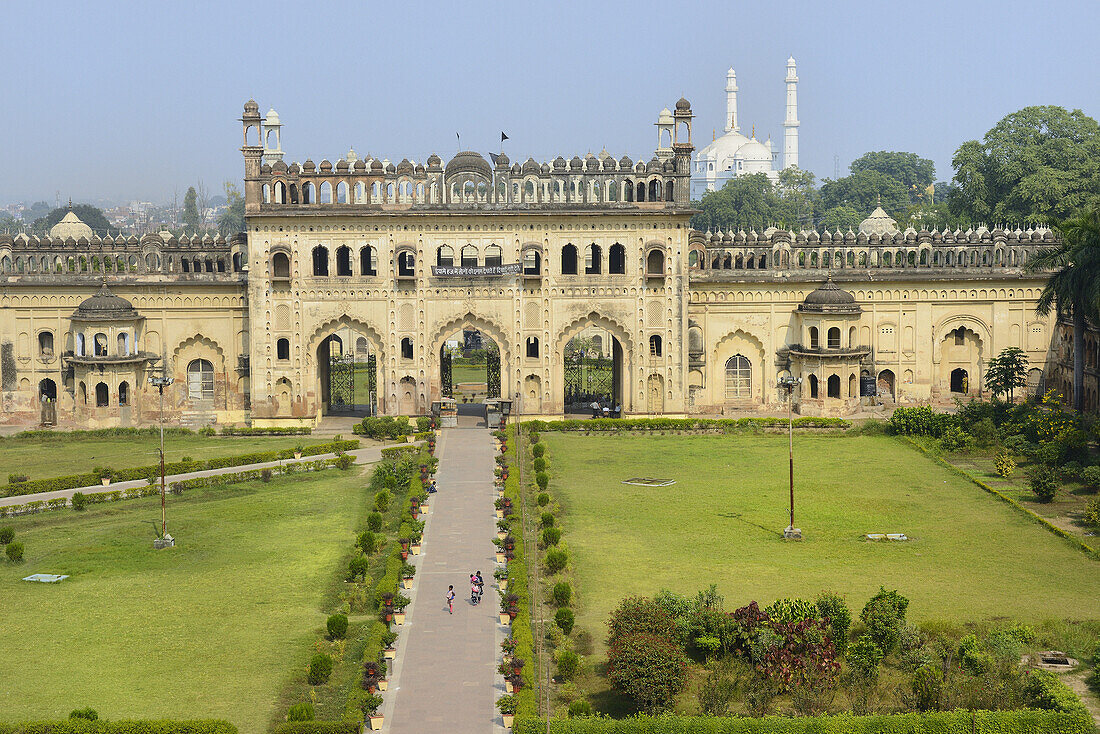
column 90, row 479
column 273, row 431
column 945, row 722
column 383, row 427
column 317, row 727
column 125, row 726
column 98, row 433
column 522, row 630
column 724, row 425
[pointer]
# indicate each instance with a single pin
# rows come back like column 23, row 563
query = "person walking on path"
column 480, row 584
column 451, row 599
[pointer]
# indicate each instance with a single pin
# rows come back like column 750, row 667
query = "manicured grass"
column 63, row 455
column 468, row 373
column 971, row 558
column 213, row 628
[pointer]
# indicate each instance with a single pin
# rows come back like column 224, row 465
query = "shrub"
column 551, row 536
column 540, row 463
column 507, row 704
column 80, row 500
column 544, row 499
column 927, row 688
column 562, row 594
column 547, row 520
column 564, row 619
column 374, row 522
column 15, row 552
column 265, row 475
column 834, row 611
column 7, row 534
column 345, row 461
column 320, row 668
column 87, row 713
column 556, row 559
column 382, row 500
column 580, row 707
column 790, row 611
column 1006, row 465
column 337, row 626
column 538, row 450
column 423, row 423
column 718, row 690
column 639, row 614
column 884, row 617
column 1045, row 690
column 650, row 668
column 864, row 657
column 972, row 657
column 367, row 542
column 300, row 712
column 17, row 478
column 955, row 439
column 1091, row 515
column 1043, row 481
column 542, row 479
column 568, row 663
column 370, row 704
column 358, row 568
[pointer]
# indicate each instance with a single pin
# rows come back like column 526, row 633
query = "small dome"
column 682, row 105
column 830, row 297
column 70, row 226
column 405, row 166
column 376, row 166
column 879, row 222
column 576, row 164
column 502, row 160
column 104, row 306
column 278, row 167
column 342, row 165
column 326, row 165
column 272, row 117
column 468, row 161
column 609, row 164
column 434, row 161
column 665, row 117
column 625, row 163
column 251, row 109
column 559, row 163
column 531, row 166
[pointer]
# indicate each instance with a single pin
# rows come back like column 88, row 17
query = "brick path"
column 445, row 677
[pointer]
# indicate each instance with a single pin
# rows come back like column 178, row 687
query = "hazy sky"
column 116, row 100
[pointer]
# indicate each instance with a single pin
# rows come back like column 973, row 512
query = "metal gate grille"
column 341, row 380
column 588, row 379
column 447, row 385
column 492, row 374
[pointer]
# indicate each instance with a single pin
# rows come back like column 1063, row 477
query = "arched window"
column 494, row 256
column 47, row 391
column 655, row 263
column 343, row 260
column 123, row 344
column 282, row 349
column 406, row 264
column 236, row 262
column 342, row 193
column 532, row 262
column 368, row 261
column 593, row 259
column 834, row 338
column 326, row 193
column 406, row 348
column 45, row 343
column 80, row 345
column 280, row 265
column 361, row 344
column 82, row 394
column 834, row 386
column 307, row 193
column 813, row 337
column 200, row 380
column 532, row 346
column 102, row 395
column 123, row 393
column 655, row 346
column 445, row 256
column 469, row 256
column 320, row 260
column 100, row 345
column 813, row 386
column 568, row 260
column 616, row 262
column 738, row 378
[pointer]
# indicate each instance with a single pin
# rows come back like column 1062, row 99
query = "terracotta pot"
column 516, row 670
column 297, row 454
column 404, row 554
column 389, row 616
column 512, row 613
column 404, row 544
column 375, row 722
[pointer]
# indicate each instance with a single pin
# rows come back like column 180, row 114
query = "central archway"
column 471, row 357
column 594, row 354
column 348, row 357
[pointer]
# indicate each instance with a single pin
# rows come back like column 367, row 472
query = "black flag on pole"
column 503, row 137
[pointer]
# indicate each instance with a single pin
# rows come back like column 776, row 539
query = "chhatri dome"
column 70, row 226
column 879, row 223
column 733, row 154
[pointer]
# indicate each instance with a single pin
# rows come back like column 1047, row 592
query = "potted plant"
column 516, row 665
column 387, row 607
column 370, row 709
column 298, row 451
column 510, row 604
column 103, row 474
column 501, row 575
column 501, row 557
column 407, row 572
column 505, row 618
column 517, row 683
column 399, row 604
column 508, row 542
column 509, row 646
column 414, row 547
column 389, row 652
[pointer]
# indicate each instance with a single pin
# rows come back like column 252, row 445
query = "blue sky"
column 121, row 100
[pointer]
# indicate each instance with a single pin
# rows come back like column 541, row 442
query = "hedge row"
column 317, row 727
column 177, row 487
column 1073, row 539
column 272, row 431
column 88, row 479
column 522, row 631
column 725, row 425
column 946, row 722
column 395, row 452
column 125, row 726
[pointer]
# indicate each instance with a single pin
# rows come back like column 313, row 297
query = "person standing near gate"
column 451, row 599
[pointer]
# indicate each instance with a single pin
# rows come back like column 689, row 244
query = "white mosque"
column 733, row 154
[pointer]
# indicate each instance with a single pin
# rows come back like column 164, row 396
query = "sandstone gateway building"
column 353, row 275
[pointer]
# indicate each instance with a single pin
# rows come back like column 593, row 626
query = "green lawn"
column 213, row 628
column 470, row 373
column 60, row 455
column 971, row 558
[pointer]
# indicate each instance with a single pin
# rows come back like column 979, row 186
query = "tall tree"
column 1006, row 372
column 231, row 220
column 842, row 218
column 798, row 200
column 1038, row 164
column 864, row 190
column 1073, row 290
column 191, row 209
column 914, row 173
column 745, row 202
column 93, row 216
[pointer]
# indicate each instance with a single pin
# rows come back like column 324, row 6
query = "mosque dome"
column 70, row 226
column 468, row 161
column 830, row 298
column 105, row 306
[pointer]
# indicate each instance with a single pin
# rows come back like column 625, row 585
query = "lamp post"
column 789, row 384
column 161, row 381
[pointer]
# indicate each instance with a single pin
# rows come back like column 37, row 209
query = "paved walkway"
column 367, row 455
column 445, row 677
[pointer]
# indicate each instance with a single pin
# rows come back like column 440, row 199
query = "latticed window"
column 200, row 380
column 738, row 378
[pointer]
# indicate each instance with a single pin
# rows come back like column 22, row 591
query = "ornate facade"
column 353, row 275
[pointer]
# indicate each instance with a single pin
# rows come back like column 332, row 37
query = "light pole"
column 789, row 384
column 160, row 382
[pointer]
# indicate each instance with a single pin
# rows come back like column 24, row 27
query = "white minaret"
column 270, row 125
column 790, row 125
column 731, row 102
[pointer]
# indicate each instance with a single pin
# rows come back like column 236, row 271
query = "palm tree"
column 1073, row 290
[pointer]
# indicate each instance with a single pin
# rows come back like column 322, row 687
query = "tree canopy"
column 754, row 202
column 191, row 209
column 1038, row 164
column 231, row 221
column 914, row 173
column 864, row 190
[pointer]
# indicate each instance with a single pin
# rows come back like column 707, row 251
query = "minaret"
column 731, row 102
column 790, row 125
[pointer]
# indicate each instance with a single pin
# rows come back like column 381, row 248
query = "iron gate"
column 341, row 383
column 447, row 385
column 492, row 374
column 588, row 379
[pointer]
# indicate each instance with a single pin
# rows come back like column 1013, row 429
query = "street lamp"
column 165, row 540
column 789, row 383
